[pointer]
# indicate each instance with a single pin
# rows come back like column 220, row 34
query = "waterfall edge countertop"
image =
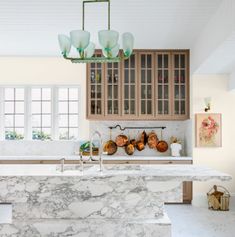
column 122, row 200
column 159, row 172
column 104, row 157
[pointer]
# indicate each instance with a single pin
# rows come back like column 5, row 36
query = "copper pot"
column 144, row 138
column 133, row 142
column 129, row 149
column 162, row 146
column 152, row 140
column 121, row 140
column 110, row 147
column 140, row 146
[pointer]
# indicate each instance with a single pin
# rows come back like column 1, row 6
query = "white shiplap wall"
column 30, row 27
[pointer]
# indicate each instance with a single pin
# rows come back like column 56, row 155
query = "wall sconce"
column 207, row 102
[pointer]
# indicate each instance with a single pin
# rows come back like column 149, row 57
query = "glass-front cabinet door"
column 180, row 85
column 163, row 84
column 95, row 89
column 129, row 87
column 146, row 86
column 112, row 82
column 150, row 85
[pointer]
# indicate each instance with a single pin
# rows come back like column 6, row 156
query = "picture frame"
column 208, row 130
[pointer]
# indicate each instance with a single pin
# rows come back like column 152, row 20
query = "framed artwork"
column 208, row 130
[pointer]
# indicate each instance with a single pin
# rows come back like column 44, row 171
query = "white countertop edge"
column 105, row 157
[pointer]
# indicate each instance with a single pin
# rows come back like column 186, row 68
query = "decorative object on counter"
column 110, row 147
column 108, row 40
column 121, row 140
column 218, row 199
column 162, row 145
column 207, row 102
column 175, row 146
column 85, row 149
column 152, row 140
column 208, row 130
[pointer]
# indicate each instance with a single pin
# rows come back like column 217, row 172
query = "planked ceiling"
column 30, row 27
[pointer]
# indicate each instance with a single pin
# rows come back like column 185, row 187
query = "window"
column 68, row 113
column 14, row 113
column 39, row 113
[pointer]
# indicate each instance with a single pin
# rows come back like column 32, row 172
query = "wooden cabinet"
column 112, row 90
column 187, row 192
column 150, row 85
column 180, row 84
column 163, row 85
column 146, row 85
column 129, row 88
column 95, row 90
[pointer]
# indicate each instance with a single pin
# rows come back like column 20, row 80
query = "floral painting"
column 208, row 130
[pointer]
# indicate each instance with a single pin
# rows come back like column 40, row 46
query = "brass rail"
column 94, row 1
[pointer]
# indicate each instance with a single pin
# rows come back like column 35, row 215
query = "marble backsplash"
column 179, row 129
column 38, row 148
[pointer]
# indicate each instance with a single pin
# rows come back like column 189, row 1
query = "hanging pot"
column 133, row 142
column 140, row 146
column 110, row 147
column 121, row 140
column 162, row 145
column 129, row 149
column 152, row 140
column 144, row 138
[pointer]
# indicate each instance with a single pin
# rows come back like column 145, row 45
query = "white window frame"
column 28, row 112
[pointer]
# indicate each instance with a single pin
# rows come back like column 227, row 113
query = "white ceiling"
column 30, row 27
column 222, row 60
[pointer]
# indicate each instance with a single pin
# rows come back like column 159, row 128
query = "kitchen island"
column 122, row 200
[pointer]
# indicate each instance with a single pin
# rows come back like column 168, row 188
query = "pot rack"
column 124, row 128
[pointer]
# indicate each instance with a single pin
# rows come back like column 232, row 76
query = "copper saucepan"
column 121, row 140
column 110, row 147
column 152, row 140
column 162, row 145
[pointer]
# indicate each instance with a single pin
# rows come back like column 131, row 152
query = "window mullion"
column 28, row 114
column 2, row 117
column 55, row 116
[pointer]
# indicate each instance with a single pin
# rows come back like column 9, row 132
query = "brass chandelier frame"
column 93, row 58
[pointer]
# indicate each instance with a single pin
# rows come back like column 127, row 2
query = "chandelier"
column 108, row 40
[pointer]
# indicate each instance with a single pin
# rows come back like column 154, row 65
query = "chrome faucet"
column 62, row 164
column 81, row 161
column 96, row 133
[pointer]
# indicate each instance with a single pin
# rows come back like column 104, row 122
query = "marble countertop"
column 159, row 172
column 105, row 157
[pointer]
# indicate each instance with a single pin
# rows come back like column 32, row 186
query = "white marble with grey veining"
column 158, row 172
column 93, row 228
column 121, row 198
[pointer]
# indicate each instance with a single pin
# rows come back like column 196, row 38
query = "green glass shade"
column 65, row 44
column 127, row 43
column 89, row 51
column 111, row 53
column 80, row 39
column 108, row 39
